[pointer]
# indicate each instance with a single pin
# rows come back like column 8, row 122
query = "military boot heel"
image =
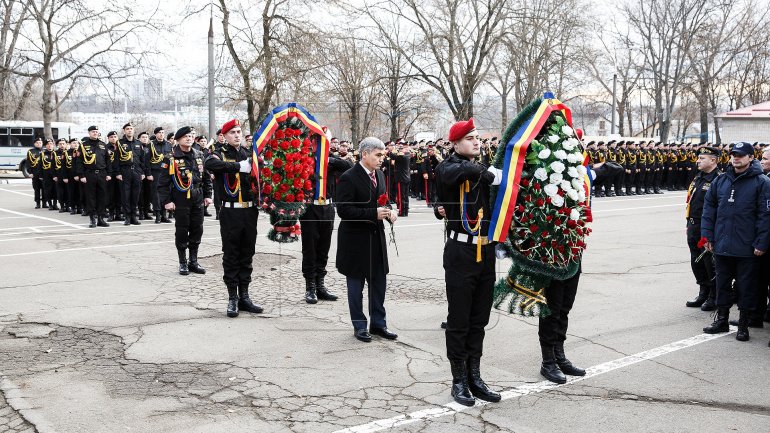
column 476, row 384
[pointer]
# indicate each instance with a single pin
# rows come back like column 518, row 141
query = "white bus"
column 17, row 137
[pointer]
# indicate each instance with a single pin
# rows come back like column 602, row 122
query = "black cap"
column 93, row 128
column 169, row 136
column 708, row 150
column 219, row 131
column 181, row 132
column 742, row 148
column 127, row 125
column 112, row 133
column 143, row 133
column 157, row 130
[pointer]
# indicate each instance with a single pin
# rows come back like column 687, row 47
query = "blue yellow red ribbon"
column 270, row 124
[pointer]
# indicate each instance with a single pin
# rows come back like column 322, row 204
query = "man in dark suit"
column 362, row 254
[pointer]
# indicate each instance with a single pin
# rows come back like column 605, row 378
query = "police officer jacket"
column 185, row 167
column 736, row 212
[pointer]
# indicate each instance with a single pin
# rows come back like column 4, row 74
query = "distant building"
column 750, row 124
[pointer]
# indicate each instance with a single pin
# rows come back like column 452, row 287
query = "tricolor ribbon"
column 269, row 126
column 513, row 165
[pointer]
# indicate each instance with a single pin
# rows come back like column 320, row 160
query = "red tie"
column 374, row 179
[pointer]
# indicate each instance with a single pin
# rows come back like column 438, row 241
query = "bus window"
column 4, row 140
column 15, row 131
column 27, row 131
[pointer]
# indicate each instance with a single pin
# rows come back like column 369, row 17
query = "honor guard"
column 184, row 189
column 130, row 172
column 94, row 168
column 156, row 150
column 48, row 164
column 231, row 166
column 36, row 171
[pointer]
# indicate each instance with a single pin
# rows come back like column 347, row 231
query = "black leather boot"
column 549, row 369
column 322, row 291
column 193, row 264
column 100, row 222
column 232, row 302
column 127, row 221
column 743, row 326
column 183, row 269
column 134, row 220
column 310, row 291
column 460, row 391
column 164, row 218
column 564, row 364
column 93, row 222
column 703, row 295
column 245, row 304
column 157, row 217
column 709, row 305
column 478, row 388
column 720, row 323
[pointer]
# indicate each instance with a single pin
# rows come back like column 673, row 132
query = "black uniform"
column 36, row 168
column 94, row 165
column 48, row 165
column 60, row 161
column 154, row 162
column 73, row 186
column 402, row 175
column 704, row 268
column 317, row 225
column 187, row 188
column 237, row 223
column 130, row 165
column 429, row 168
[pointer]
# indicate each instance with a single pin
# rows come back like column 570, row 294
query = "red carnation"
column 283, row 187
column 297, row 183
column 520, row 208
column 549, row 218
column 382, row 200
column 277, row 163
column 589, row 215
column 268, row 154
column 296, row 143
column 536, row 187
column 702, row 242
column 290, row 198
column 284, row 145
column 548, row 200
column 544, row 234
column 274, row 144
column 540, row 202
column 300, row 196
column 571, row 224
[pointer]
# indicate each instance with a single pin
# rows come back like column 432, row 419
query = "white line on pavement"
column 95, row 247
column 17, row 192
column 91, row 232
column 41, row 217
column 532, row 388
column 637, row 208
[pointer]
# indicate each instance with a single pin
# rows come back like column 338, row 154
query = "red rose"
column 306, row 142
column 589, row 215
column 558, row 222
column 276, row 178
column 267, row 189
column 533, row 228
column 536, row 187
column 308, row 184
column 277, row 163
column 277, row 196
column 280, row 134
column 297, row 183
column 268, row 155
column 284, row 145
column 549, row 218
column 290, row 198
column 283, row 188
column 296, row 143
column 548, row 200
column 540, row 202
column 544, row 234
column 266, row 173
column 382, row 200
column 274, row 144
column 300, row 196
column 571, row 224
column 525, row 183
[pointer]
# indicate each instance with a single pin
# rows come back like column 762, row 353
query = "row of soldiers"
column 110, row 180
column 648, row 167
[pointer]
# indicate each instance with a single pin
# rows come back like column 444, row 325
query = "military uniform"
column 402, row 175
column 184, row 183
column 48, row 165
column 36, row 168
column 154, row 162
column 60, row 175
column 93, row 165
column 130, row 166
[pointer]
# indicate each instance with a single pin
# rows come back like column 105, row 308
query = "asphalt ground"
column 98, row 333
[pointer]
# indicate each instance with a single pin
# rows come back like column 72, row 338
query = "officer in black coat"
column 317, row 225
column 48, row 166
column 94, row 169
column 469, row 260
column 702, row 268
column 231, row 165
column 130, row 172
column 402, row 175
column 36, row 171
column 185, row 189
column 156, row 150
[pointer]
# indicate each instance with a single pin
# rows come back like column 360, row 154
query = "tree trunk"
column 504, row 110
column 22, row 102
column 47, row 108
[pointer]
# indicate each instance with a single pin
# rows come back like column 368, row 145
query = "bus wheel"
column 24, row 167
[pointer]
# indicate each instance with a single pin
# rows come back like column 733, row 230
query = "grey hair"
column 370, row 144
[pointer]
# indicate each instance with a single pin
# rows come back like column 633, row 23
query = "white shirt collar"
column 368, row 172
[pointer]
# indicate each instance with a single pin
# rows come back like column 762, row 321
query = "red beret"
column 230, row 125
column 459, row 130
column 579, row 133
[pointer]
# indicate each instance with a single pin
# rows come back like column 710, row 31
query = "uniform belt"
column 236, row 205
column 465, row 238
column 323, row 202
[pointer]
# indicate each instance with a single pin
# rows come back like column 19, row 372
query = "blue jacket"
column 736, row 212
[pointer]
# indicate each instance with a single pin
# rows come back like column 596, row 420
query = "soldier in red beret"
column 231, row 166
column 469, row 259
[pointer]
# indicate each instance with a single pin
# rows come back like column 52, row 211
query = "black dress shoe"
column 362, row 335
column 101, row 223
column 384, row 333
column 443, row 325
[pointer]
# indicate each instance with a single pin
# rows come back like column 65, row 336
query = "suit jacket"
column 361, row 246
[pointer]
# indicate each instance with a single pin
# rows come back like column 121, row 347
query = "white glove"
column 245, row 166
column 498, row 175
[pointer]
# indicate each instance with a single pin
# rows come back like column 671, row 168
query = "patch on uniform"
column 164, row 165
column 705, row 186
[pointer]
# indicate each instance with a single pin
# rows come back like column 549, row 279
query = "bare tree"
column 73, row 41
column 14, row 15
column 665, row 30
column 451, row 44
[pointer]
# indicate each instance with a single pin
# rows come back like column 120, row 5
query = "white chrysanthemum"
column 566, row 130
column 581, row 195
column 553, row 138
column 570, row 144
column 557, row 201
column 582, row 170
column 572, row 172
column 560, row 154
column 557, row 166
column 572, row 194
column 551, row 190
column 578, row 184
column 541, row 174
column 574, row 215
column 572, row 159
column 555, row 178
column 544, row 154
